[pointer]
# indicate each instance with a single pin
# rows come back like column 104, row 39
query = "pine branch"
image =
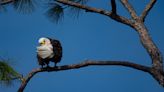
column 81, row 65
column 115, row 17
column 7, row 73
column 74, row 11
column 22, row 6
column 147, row 9
column 55, row 12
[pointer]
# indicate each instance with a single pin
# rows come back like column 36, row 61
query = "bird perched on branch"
column 48, row 50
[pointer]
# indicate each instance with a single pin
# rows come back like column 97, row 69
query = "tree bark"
column 152, row 50
column 147, row 9
column 130, row 9
column 149, row 45
column 146, row 41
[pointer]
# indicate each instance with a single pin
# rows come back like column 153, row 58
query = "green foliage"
column 24, row 6
column 55, row 12
column 7, row 73
column 74, row 11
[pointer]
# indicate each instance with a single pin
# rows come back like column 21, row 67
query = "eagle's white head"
column 44, row 41
column 45, row 50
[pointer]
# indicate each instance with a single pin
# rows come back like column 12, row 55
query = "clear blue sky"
column 91, row 36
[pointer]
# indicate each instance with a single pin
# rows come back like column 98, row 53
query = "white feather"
column 45, row 51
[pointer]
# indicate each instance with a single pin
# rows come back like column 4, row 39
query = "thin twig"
column 130, row 8
column 148, row 7
column 114, row 9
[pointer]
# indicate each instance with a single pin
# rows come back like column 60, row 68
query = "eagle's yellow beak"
column 42, row 43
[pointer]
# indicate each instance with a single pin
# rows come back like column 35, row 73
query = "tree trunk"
column 153, row 51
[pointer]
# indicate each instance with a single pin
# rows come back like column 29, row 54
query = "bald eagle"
column 48, row 50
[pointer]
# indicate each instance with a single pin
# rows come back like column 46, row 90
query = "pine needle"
column 7, row 73
column 24, row 6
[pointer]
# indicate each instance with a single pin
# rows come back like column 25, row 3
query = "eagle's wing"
column 57, row 48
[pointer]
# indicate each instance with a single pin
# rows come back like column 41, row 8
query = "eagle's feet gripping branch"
column 49, row 50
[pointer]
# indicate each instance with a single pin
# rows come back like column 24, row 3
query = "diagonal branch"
column 115, row 17
column 130, row 9
column 147, row 9
column 96, row 10
column 81, row 65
